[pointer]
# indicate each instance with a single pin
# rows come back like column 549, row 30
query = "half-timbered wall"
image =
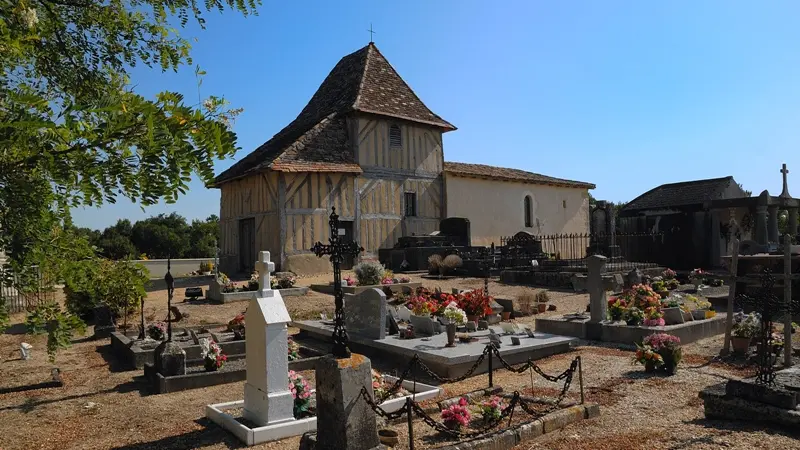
column 253, row 197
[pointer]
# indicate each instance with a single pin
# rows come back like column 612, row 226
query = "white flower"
column 28, row 17
column 205, row 347
column 454, row 313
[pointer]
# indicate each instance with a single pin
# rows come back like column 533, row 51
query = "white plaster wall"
column 496, row 208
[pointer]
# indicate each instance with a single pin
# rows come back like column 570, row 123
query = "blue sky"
column 626, row 95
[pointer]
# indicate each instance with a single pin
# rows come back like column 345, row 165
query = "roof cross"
column 785, row 193
column 371, row 32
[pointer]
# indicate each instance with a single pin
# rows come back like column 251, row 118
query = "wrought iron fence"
column 624, row 251
column 23, row 291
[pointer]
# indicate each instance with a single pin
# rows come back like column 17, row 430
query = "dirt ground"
column 102, row 407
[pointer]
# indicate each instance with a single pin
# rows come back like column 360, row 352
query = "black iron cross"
column 770, row 307
column 170, row 290
column 371, row 32
column 337, row 249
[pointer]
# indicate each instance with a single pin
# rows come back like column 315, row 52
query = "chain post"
column 491, row 380
column 580, row 376
column 410, row 424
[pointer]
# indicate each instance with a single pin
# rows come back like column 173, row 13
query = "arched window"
column 528, row 211
column 395, row 137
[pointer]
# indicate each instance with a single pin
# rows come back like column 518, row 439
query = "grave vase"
column 740, row 344
column 451, row 334
column 649, row 367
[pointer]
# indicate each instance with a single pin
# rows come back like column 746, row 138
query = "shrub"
column 450, row 263
column 434, row 264
column 94, row 282
column 369, row 273
column 526, row 302
column 542, row 297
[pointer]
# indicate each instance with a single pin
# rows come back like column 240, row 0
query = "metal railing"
column 24, row 291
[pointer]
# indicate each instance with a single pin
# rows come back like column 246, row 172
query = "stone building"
column 368, row 146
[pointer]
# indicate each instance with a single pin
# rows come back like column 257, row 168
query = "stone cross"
column 267, row 398
column 597, row 291
column 785, row 193
column 265, row 267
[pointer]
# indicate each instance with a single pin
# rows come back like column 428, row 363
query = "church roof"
column 505, row 174
column 680, row 194
column 317, row 139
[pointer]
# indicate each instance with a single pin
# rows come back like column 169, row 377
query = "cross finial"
column 785, row 192
column 265, row 267
column 371, row 32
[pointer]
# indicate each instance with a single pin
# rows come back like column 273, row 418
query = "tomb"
column 411, row 252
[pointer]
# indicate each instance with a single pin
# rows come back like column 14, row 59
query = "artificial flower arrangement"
column 237, row 327
column 668, row 347
column 157, row 331
column 649, row 358
column 388, row 277
column 253, row 283
column 454, row 314
column 672, row 284
column 475, row 303
column 669, row 274
column 643, row 297
column 301, row 393
column 293, row 349
column 404, row 279
column 284, row 281
column 380, row 387
column 633, row 316
column 226, row 285
column 776, row 341
column 697, row 273
column 746, row 325
column 349, row 281
column 653, row 317
column 456, row 416
column 616, row 308
column 213, row 358
column 422, row 306
column 492, row 409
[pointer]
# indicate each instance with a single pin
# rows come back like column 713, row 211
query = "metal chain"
column 399, row 383
column 531, row 364
column 379, row 411
column 439, row 426
column 568, row 381
column 466, row 375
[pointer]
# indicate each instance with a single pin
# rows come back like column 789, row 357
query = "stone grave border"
column 243, row 296
column 136, row 358
column 621, row 333
column 511, row 437
column 396, row 288
column 160, row 384
column 252, row 436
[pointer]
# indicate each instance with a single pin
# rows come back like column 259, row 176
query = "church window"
column 528, row 211
column 411, row 204
column 395, row 137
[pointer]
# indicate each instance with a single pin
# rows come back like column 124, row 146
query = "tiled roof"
column 317, row 139
column 502, row 173
column 680, row 194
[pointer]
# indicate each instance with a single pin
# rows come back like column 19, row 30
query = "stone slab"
column 231, row 297
column 719, row 405
column 446, row 362
column 135, row 357
column 776, row 395
column 619, row 332
column 396, row 288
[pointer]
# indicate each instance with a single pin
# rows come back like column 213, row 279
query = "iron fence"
column 624, row 251
column 25, row 290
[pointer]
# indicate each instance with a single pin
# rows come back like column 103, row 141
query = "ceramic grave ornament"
column 267, row 398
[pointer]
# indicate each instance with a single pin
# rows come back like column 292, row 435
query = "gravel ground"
column 101, row 407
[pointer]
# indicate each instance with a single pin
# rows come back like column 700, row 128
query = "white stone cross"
column 265, row 267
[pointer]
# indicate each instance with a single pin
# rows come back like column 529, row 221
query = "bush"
column 94, row 282
column 450, row 264
column 526, row 302
column 434, row 264
column 369, row 273
column 542, row 297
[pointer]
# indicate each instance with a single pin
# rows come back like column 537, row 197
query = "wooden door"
column 247, row 245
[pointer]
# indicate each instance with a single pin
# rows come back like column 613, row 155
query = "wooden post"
column 787, row 297
column 726, row 349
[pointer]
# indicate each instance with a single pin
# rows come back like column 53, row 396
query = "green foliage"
column 369, row 273
column 60, row 326
column 93, row 282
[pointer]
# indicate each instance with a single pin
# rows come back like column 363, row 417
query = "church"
column 366, row 145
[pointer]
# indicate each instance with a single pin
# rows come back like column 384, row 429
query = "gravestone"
column 267, row 398
column 458, row 229
column 170, row 359
column 103, row 322
column 366, row 313
column 344, row 420
column 597, row 295
column 633, row 278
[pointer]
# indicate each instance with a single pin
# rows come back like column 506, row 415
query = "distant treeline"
column 157, row 237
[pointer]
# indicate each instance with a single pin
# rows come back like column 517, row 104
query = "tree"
column 162, row 236
column 203, row 236
column 115, row 241
column 72, row 130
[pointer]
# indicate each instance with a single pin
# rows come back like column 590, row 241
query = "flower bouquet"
column 157, row 331
column 301, row 393
column 668, row 347
column 456, row 416
column 653, row 317
column 454, row 314
column 293, row 350
column 633, row 316
column 492, row 409
column 745, row 328
column 697, row 276
column 213, row 358
column 616, row 308
column 236, row 325
column 380, row 388
column 475, row 303
column 649, row 358
column 668, row 274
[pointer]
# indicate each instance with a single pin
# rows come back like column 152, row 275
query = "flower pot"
column 210, row 365
column 541, row 307
column 649, row 367
column 664, row 293
column 506, row 315
column 671, row 360
column 472, row 318
column 740, row 344
column 451, row 334
column 699, row 314
column 388, row 437
column 673, row 316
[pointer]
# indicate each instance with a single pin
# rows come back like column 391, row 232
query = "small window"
column 528, row 211
column 411, row 204
column 564, row 203
column 395, row 137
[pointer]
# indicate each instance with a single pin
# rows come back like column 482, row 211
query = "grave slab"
column 446, row 362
